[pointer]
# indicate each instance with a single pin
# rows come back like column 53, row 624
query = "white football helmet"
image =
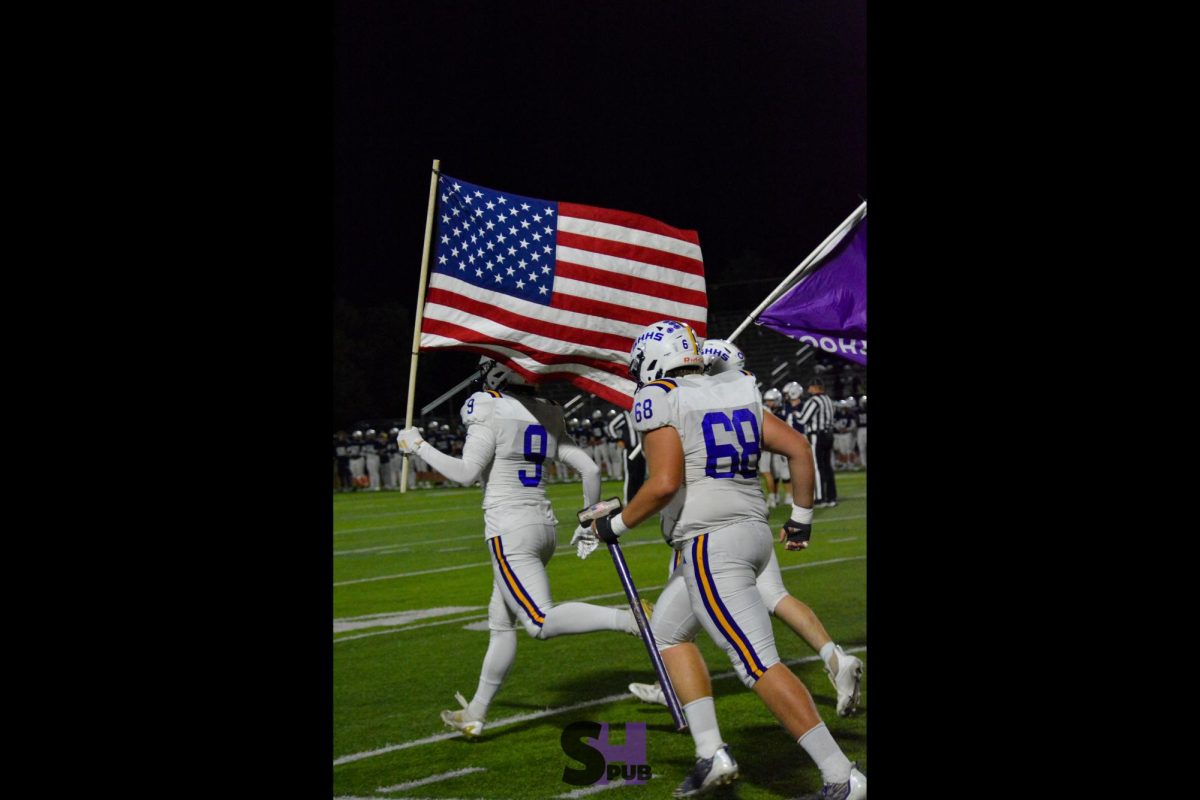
column 772, row 396
column 597, row 414
column 793, row 390
column 721, row 356
column 662, row 347
column 495, row 375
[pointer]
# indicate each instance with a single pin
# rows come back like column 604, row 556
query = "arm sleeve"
column 478, row 451
column 576, row 459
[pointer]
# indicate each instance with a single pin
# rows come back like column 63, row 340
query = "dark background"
column 744, row 122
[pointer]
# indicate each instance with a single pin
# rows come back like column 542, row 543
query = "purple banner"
column 828, row 309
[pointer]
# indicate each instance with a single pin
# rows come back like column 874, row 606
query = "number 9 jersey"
column 719, row 420
column 519, row 433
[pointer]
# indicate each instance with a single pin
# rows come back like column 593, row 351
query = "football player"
column 844, row 670
column 773, row 469
column 511, row 431
column 702, row 436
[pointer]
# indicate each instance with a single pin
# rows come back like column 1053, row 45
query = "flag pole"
column 412, row 370
column 796, row 275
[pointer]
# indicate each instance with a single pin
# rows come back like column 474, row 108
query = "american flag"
column 557, row 291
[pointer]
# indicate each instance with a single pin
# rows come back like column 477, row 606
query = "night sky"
column 745, row 122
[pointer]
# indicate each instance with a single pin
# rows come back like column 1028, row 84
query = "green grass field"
column 403, row 644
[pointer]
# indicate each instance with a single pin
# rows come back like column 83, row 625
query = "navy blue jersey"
column 791, row 415
column 862, row 418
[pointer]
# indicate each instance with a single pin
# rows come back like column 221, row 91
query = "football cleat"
column 709, row 773
column 846, row 681
column 853, row 789
column 470, row 728
column 772, row 501
column 649, row 692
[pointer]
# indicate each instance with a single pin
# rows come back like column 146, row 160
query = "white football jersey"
column 527, row 430
column 719, row 419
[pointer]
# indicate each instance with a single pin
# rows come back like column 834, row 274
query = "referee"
column 817, row 418
column 620, row 428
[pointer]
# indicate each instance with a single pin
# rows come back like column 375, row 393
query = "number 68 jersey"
column 519, row 433
column 719, row 419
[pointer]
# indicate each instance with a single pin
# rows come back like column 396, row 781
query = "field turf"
column 411, row 584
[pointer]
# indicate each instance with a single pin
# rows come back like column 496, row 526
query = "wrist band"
column 804, row 515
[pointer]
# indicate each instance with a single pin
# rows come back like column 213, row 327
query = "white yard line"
column 589, row 790
column 398, row 618
column 839, row 541
column 445, row 776
column 549, row 712
column 641, row 590
column 500, row 723
column 411, row 574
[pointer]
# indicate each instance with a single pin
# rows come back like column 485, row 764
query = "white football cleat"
column 649, row 693
column 846, row 681
column 709, row 773
column 470, row 728
column 772, row 501
column 853, row 789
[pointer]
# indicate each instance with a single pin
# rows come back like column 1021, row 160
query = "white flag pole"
column 412, row 371
column 822, row 249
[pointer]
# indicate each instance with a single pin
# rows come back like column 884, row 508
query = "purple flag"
column 828, row 309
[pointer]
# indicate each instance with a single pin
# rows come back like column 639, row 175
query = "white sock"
column 827, row 653
column 571, row 618
column 825, row 753
column 702, row 721
column 502, row 649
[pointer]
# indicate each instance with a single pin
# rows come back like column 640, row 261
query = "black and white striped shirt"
column 817, row 413
column 621, row 427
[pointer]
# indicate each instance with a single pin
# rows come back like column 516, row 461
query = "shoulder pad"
column 666, row 384
column 478, row 407
column 651, row 407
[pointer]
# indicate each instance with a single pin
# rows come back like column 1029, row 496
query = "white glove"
column 409, row 440
column 585, row 541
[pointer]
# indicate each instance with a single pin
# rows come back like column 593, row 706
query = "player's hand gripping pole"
column 603, row 509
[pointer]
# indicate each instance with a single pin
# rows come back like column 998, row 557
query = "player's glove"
column 610, row 527
column 585, row 541
column 797, row 534
column 797, row 530
column 409, row 440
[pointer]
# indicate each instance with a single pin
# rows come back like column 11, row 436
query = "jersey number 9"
column 534, row 454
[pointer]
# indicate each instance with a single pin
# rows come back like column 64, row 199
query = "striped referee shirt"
column 817, row 414
column 621, row 427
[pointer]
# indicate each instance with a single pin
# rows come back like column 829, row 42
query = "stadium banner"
column 828, row 308
column 556, row 290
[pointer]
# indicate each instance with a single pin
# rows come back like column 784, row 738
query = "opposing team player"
column 774, row 468
column 702, row 437
column 510, row 434
column 844, row 670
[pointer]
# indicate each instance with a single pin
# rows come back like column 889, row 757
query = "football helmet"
column 793, row 390
column 662, row 347
column 356, row 435
column 772, row 396
column 597, row 414
column 721, row 356
column 495, row 375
